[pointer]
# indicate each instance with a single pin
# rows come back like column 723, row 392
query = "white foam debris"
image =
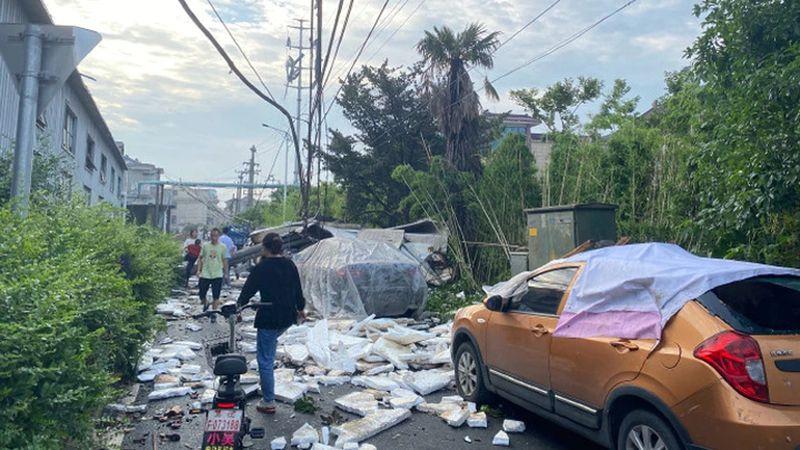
column 165, row 381
column 191, row 344
column 426, row 382
column 319, row 446
column 248, row 347
column 305, row 437
column 297, row 353
column 289, row 392
column 359, row 402
column 127, row 409
column 168, row 393
column 455, row 417
column 249, row 378
column 366, row 427
column 467, row 439
column 405, row 399
column 350, row 446
column 278, row 443
column 326, row 380
column 378, row 382
column 501, row 439
column 477, row 420
column 326, row 435
column 397, row 354
column 193, row 327
column 513, row 426
column 406, row 336
column 207, row 396
column 386, row 368
column 367, row 447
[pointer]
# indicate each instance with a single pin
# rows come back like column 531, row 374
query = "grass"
column 305, row 405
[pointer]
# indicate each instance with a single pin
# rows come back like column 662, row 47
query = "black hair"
column 226, row 230
column 273, row 243
column 197, row 242
column 216, row 229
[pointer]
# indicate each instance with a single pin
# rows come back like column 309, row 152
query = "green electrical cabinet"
column 555, row 230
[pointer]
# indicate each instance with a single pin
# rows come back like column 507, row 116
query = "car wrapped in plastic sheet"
column 355, row 278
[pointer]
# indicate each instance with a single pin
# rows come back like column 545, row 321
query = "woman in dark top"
column 276, row 279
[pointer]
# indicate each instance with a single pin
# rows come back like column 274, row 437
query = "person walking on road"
column 276, row 278
column 192, row 253
column 231, row 252
column 210, row 269
column 189, row 241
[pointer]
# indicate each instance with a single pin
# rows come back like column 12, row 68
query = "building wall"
column 194, row 209
column 50, row 131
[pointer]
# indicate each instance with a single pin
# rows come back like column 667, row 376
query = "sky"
column 170, row 97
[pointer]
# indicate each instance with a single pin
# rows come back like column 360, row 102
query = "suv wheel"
column 643, row 430
column 469, row 381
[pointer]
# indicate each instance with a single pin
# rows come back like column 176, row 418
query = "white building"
column 71, row 126
column 195, row 208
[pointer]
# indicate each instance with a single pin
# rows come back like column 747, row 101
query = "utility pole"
column 237, row 205
column 294, row 72
column 251, row 176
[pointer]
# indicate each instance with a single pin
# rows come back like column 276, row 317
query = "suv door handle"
column 624, row 346
column 539, row 330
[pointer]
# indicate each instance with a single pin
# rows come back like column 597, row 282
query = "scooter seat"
column 230, row 365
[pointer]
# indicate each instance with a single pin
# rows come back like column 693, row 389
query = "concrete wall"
column 49, row 138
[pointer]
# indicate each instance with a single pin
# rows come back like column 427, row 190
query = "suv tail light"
column 737, row 358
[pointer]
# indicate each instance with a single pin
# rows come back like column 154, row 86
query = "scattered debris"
column 501, row 439
column 278, row 443
column 370, row 425
column 360, row 403
column 513, row 426
column 492, row 412
column 167, row 393
column 477, row 420
column 467, row 440
column 455, row 417
column 305, row 437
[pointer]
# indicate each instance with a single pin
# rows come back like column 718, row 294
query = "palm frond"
column 491, row 92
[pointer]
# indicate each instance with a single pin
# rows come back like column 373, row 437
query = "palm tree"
column 448, row 57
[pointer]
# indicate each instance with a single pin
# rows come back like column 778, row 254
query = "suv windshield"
column 761, row 305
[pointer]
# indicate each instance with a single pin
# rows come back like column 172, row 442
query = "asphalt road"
column 421, row 431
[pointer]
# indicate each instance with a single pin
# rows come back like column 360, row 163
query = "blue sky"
column 165, row 92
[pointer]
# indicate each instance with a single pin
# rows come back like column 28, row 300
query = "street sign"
column 63, row 48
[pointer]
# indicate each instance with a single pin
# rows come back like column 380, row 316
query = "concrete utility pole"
column 294, row 72
column 237, row 206
column 40, row 57
column 251, row 177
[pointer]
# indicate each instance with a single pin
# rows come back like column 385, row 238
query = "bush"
column 78, row 287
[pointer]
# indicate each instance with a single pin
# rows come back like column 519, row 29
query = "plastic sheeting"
column 632, row 291
column 355, row 278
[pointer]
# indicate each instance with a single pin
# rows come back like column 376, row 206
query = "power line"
column 386, row 41
column 563, row 43
column 545, row 11
column 358, row 55
column 566, row 41
column 339, row 42
column 244, row 55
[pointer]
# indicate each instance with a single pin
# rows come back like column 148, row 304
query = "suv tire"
column 469, row 380
column 643, row 430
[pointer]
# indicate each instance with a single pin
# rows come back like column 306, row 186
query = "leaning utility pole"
column 237, row 205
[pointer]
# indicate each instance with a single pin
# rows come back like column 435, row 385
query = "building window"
column 103, row 168
column 119, row 186
column 41, row 122
column 90, row 154
column 87, row 192
column 68, row 134
column 100, row 199
column 113, row 178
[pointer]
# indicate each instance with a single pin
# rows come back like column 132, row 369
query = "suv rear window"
column 761, row 305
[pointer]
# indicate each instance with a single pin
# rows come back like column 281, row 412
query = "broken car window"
column 544, row 292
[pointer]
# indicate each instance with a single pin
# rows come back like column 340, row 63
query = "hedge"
column 78, row 288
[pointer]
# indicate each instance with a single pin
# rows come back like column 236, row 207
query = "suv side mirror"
column 494, row 303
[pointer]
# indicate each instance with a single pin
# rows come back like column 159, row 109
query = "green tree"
column 448, row 58
column 394, row 127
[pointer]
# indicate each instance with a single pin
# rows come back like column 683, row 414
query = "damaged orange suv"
column 724, row 375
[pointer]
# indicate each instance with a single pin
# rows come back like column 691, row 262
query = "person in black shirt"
column 275, row 277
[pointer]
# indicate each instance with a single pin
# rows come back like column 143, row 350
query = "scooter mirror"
column 228, row 309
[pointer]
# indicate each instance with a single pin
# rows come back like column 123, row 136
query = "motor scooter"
column 226, row 421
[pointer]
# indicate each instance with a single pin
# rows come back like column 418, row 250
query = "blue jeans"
column 266, row 345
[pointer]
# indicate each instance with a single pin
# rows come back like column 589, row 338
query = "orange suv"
column 724, row 374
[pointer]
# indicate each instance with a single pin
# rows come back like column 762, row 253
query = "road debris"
column 370, row 425
column 513, row 426
column 278, row 443
column 477, row 420
column 305, row 437
column 360, row 403
column 501, row 439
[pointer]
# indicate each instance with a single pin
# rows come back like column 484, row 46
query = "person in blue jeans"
column 276, row 279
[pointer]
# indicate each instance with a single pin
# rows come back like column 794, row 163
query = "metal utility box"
column 555, row 230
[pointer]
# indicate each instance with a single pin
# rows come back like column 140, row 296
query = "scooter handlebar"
column 222, row 311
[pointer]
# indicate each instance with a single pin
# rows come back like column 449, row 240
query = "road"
column 421, row 431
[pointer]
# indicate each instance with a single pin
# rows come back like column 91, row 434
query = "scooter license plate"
column 224, row 421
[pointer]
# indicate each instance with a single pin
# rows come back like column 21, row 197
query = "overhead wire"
column 561, row 44
column 241, row 50
column 403, row 24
